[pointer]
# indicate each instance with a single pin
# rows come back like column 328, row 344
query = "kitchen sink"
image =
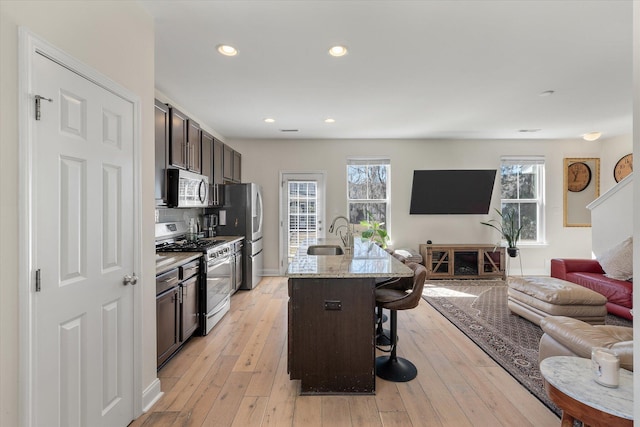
column 325, row 250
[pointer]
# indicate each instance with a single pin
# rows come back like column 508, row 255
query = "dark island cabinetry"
column 331, row 335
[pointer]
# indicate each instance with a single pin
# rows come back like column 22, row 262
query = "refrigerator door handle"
column 256, row 254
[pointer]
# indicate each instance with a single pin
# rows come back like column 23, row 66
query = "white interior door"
column 82, row 248
column 302, row 212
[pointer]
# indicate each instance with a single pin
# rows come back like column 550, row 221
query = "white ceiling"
column 415, row 69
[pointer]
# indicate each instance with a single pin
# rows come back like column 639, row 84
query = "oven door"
column 217, row 286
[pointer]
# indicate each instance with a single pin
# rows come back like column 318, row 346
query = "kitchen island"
column 331, row 323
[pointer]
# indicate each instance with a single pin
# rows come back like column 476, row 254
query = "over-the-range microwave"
column 187, row 189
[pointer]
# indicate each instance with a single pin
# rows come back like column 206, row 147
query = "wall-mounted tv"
column 452, row 192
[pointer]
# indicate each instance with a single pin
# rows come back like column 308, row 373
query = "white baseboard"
column 151, row 395
column 270, row 272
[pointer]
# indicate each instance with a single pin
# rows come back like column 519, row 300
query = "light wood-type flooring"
column 237, row 376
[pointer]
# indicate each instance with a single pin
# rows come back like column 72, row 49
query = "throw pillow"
column 617, row 262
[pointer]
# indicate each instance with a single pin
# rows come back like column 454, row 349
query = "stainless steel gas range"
column 216, row 279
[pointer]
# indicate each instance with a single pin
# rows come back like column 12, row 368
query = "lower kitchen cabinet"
column 189, row 308
column 168, row 337
column 177, row 313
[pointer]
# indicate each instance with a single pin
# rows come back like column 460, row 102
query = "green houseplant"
column 374, row 232
column 509, row 230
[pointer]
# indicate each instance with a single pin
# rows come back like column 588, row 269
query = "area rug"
column 479, row 309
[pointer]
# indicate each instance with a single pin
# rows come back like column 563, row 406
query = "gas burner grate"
column 185, row 246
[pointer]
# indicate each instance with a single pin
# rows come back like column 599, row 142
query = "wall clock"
column 623, row 168
column 578, row 177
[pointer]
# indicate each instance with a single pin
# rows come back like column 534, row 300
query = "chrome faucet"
column 348, row 239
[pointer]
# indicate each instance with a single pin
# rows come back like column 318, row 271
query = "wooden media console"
column 463, row 261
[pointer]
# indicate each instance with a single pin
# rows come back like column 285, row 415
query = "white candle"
column 606, row 367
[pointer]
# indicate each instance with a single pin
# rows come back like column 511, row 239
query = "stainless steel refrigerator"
column 241, row 215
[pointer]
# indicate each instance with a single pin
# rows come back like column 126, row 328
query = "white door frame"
column 29, row 43
column 302, row 175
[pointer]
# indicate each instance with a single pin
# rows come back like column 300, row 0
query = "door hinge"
column 38, row 99
column 38, row 288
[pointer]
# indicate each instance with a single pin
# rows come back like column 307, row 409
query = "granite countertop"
column 166, row 261
column 367, row 260
column 574, row 377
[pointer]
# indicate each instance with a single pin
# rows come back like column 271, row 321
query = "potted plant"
column 374, row 232
column 507, row 225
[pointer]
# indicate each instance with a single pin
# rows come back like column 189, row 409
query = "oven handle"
column 217, row 261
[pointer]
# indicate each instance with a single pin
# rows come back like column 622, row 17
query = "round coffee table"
column 570, row 384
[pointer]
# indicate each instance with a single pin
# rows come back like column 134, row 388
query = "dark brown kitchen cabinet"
column 189, row 318
column 194, row 149
column 218, row 162
column 178, row 139
column 227, row 163
column 189, row 308
column 167, row 305
column 161, row 151
column 237, row 166
column 177, row 314
column 232, row 165
column 184, row 142
column 207, row 155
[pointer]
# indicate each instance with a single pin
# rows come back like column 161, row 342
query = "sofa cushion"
column 580, row 337
column 555, row 291
column 617, row 262
column 619, row 292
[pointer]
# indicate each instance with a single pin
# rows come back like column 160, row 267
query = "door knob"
column 130, row 279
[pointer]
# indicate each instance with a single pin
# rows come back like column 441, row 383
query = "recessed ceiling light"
column 227, row 50
column 547, row 93
column 269, row 120
column 591, row 136
column 329, row 120
column 338, row 51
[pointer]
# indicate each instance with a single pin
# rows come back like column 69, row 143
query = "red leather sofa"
column 589, row 273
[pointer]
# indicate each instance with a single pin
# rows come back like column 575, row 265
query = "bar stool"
column 402, row 283
column 392, row 367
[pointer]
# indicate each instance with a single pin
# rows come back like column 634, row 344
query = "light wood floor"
column 237, row 376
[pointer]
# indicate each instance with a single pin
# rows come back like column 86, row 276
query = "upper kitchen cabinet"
column 232, row 165
column 207, row 156
column 210, row 147
column 162, row 151
column 218, row 162
column 194, row 149
column 185, row 150
column 178, row 139
column 237, row 166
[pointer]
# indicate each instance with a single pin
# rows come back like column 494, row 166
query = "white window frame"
column 539, row 200
column 371, row 161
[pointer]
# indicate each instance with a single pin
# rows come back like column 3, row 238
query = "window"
column 368, row 190
column 522, row 184
column 302, row 214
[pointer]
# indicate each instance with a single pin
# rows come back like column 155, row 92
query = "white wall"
column 262, row 160
column 115, row 38
column 612, row 216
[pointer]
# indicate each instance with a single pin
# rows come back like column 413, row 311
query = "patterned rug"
column 479, row 309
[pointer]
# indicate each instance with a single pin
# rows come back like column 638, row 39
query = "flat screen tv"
column 452, row 192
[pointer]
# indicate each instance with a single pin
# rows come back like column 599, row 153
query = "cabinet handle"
column 170, row 280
